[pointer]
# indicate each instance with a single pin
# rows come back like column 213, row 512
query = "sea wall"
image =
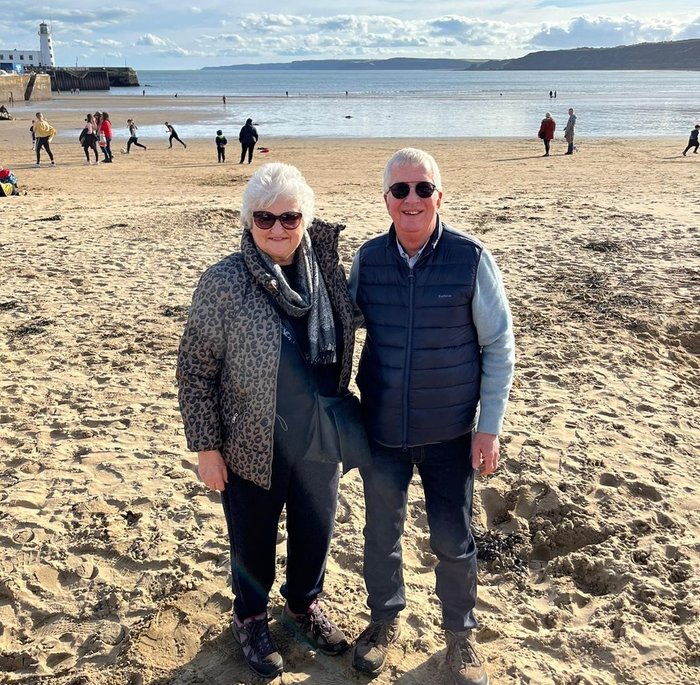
column 16, row 85
column 92, row 78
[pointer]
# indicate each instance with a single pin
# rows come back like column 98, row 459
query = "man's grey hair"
column 411, row 156
column 270, row 183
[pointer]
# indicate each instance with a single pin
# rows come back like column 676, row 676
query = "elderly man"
column 569, row 131
column 439, row 352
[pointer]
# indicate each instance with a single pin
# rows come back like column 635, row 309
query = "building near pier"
column 17, row 61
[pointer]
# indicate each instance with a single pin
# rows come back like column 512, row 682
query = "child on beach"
column 173, row 135
column 221, row 146
column 88, row 138
column 693, row 140
column 133, row 138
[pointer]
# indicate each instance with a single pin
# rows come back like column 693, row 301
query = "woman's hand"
column 212, row 470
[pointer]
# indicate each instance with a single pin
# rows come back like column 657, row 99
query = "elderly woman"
column 270, row 329
column 546, row 132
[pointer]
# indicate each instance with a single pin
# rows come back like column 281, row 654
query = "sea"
column 431, row 104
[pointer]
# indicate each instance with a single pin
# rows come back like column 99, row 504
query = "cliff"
column 396, row 63
column 681, row 54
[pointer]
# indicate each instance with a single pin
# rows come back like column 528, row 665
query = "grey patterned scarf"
column 312, row 297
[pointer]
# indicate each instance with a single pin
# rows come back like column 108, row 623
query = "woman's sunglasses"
column 266, row 220
column 401, row 190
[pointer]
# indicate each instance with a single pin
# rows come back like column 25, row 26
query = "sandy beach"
column 113, row 556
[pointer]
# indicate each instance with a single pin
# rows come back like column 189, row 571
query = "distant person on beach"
column 44, row 134
column 173, row 135
column 88, row 139
column 4, row 113
column 270, row 329
column 133, row 137
column 106, row 138
column 693, row 140
column 550, row 93
column 437, row 364
column 223, row 99
column 546, row 132
column 248, row 137
column 221, row 143
column 569, row 132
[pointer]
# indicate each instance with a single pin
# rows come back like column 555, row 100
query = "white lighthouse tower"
column 46, row 46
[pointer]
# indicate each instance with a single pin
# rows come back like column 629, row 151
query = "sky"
column 150, row 34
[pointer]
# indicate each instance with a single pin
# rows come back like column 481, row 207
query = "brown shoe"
column 464, row 663
column 372, row 647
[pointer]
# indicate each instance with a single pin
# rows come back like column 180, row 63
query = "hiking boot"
column 464, row 663
column 259, row 650
column 316, row 629
column 372, row 646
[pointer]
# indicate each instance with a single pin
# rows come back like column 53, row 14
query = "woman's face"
column 277, row 242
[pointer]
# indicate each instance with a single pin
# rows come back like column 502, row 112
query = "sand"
column 113, row 556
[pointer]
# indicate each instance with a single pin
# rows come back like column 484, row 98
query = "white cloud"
column 601, row 32
column 210, row 33
column 150, row 39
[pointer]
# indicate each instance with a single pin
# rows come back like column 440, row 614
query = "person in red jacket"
column 106, row 131
column 546, row 132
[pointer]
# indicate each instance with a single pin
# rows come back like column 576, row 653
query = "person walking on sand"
column 106, row 138
column 88, row 139
column 44, row 133
column 437, row 363
column 546, row 132
column 173, row 135
column 693, row 140
column 221, row 143
column 569, row 132
column 248, row 137
column 270, row 329
column 133, row 137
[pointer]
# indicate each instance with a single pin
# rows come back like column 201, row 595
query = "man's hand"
column 212, row 470
column 485, row 453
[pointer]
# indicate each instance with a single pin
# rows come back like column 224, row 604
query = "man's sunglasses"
column 266, row 220
column 401, row 190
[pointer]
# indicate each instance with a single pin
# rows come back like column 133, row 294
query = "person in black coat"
column 248, row 137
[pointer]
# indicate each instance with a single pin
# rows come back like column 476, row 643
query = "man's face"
column 413, row 216
column 571, row 111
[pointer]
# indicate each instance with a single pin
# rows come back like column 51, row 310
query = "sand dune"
column 114, row 563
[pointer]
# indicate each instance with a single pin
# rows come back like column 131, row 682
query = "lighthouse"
column 46, row 45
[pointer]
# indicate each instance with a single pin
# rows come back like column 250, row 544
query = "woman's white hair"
column 411, row 156
column 271, row 182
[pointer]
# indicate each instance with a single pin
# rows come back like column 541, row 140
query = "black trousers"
column 221, row 154
column 43, row 142
column 247, row 148
column 133, row 141
column 308, row 490
column 693, row 144
column 176, row 137
column 92, row 145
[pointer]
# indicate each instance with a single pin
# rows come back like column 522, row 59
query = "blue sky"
column 188, row 35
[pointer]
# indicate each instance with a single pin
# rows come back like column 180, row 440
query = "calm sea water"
column 432, row 104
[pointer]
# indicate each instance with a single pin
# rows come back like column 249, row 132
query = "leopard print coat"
column 230, row 352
